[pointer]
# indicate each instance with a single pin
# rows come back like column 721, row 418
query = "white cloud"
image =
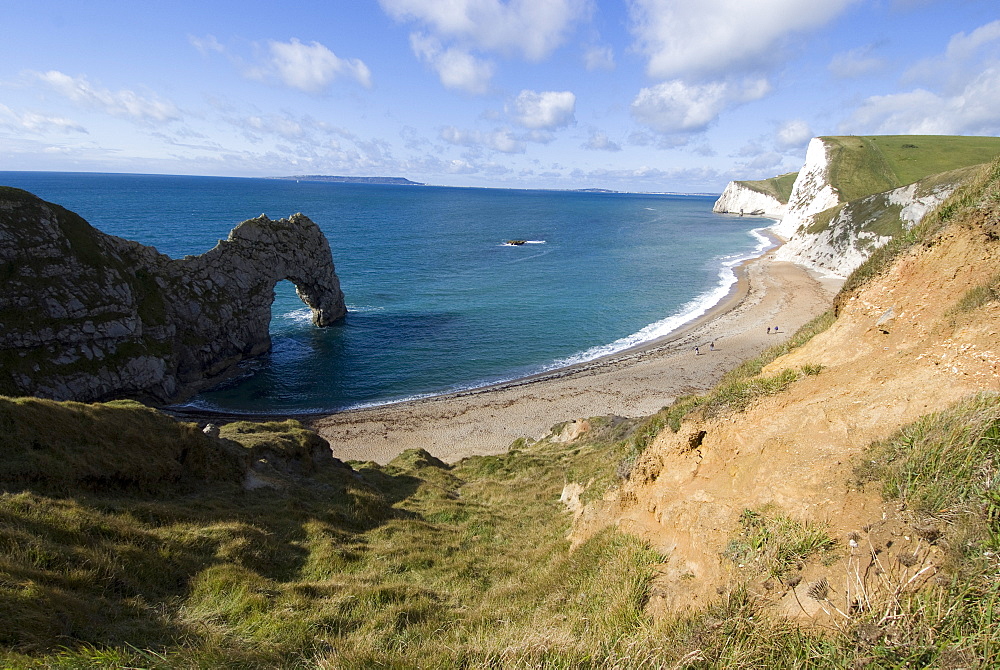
column 456, row 68
column 965, row 54
column 704, row 39
column 532, row 27
column 599, row 58
column 502, row 140
column 962, row 47
column 599, row 141
column 124, row 103
column 677, row 107
column 956, row 93
column 975, row 110
column 547, row 110
column 206, row 44
column 856, row 63
column 310, row 67
column 33, row 122
column 793, row 134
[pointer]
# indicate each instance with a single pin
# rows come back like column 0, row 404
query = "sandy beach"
column 635, row 383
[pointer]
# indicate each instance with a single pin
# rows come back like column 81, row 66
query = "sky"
column 630, row 95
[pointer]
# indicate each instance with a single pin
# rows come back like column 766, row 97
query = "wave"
column 688, row 312
column 303, row 315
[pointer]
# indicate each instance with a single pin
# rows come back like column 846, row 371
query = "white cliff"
column 840, row 241
column 812, row 192
column 739, row 198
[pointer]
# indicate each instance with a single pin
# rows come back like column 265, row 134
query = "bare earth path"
column 636, row 383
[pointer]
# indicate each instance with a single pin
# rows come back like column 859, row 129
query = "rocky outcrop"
column 812, row 192
column 840, row 239
column 740, row 198
column 903, row 346
column 848, row 199
column 89, row 316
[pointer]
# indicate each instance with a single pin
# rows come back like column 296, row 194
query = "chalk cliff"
column 812, row 192
column 854, row 194
column 841, row 238
column 740, row 198
column 89, row 316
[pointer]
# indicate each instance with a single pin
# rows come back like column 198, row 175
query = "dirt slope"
column 896, row 352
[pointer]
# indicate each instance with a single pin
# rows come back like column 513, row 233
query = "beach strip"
column 769, row 295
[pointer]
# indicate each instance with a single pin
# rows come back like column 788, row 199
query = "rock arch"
column 89, row 316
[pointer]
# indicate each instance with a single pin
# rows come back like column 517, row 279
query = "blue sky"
column 638, row 95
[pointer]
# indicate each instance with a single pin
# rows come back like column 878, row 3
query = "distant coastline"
column 395, row 181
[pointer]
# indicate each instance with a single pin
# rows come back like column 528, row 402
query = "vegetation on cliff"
column 130, row 540
column 779, row 188
column 860, row 166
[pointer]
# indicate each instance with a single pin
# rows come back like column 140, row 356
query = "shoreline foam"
column 663, row 330
column 636, row 382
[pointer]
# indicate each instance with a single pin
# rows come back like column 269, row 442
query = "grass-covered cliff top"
column 863, row 165
column 780, row 187
column 131, row 540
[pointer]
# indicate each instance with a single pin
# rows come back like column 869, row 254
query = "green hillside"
column 130, row 540
column 779, row 187
column 864, row 165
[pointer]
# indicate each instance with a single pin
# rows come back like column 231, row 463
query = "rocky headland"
column 854, row 194
column 88, row 316
column 830, row 502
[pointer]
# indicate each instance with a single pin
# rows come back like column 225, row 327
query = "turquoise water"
column 437, row 301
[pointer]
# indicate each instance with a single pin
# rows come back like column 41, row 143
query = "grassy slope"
column 779, row 187
column 861, row 166
column 416, row 563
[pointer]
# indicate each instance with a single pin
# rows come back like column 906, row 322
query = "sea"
column 438, row 299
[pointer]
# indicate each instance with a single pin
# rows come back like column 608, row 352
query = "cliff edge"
column 916, row 337
column 854, row 194
column 767, row 197
column 88, row 316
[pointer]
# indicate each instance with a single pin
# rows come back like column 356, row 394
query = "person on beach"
column 769, row 330
column 697, row 352
column 711, row 346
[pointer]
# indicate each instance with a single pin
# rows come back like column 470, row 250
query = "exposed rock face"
column 859, row 227
column 899, row 350
column 827, row 234
column 738, row 198
column 840, row 240
column 812, row 192
column 89, row 316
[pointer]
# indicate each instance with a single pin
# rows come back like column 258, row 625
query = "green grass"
column 973, row 204
column 739, row 387
column 410, row 563
column 421, row 564
column 862, row 166
column 913, row 157
column 978, row 296
column 944, row 468
column 780, row 187
column 772, row 543
column 946, row 463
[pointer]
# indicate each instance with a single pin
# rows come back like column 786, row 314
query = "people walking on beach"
column 769, row 330
column 697, row 352
column 711, row 346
